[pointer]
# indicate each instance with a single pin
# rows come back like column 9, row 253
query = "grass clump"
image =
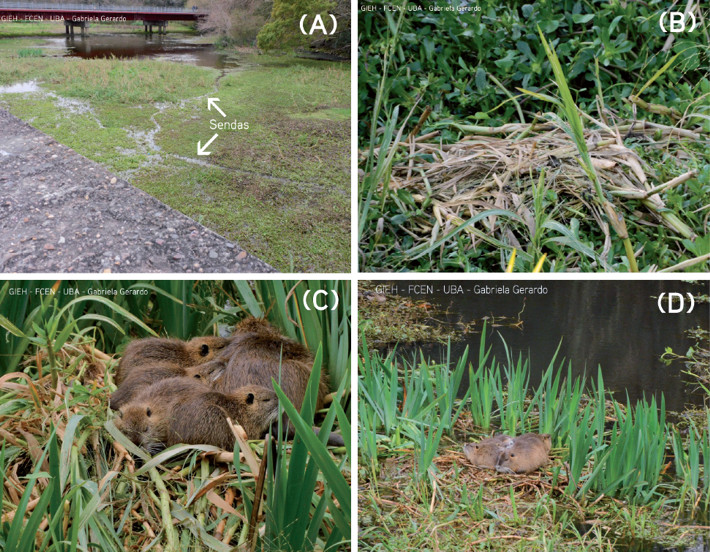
column 30, row 52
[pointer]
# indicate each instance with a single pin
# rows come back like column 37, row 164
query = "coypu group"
column 523, row 454
column 149, row 360
column 172, row 391
column 183, row 410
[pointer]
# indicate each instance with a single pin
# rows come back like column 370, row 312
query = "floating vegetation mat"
column 522, row 187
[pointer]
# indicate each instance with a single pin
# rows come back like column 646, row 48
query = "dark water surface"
column 614, row 324
column 170, row 47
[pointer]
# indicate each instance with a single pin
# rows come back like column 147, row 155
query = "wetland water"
column 171, row 47
column 613, row 324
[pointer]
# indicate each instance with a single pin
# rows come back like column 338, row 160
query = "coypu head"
column 546, row 440
column 482, row 455
column 202, row 349
column 259, row 406
column 141, row 422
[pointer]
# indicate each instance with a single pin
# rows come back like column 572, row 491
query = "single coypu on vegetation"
column 152, row 350
column 146, row 361
column 485, row 453
column 257, row 353
column 527, row 454
column 183, row 410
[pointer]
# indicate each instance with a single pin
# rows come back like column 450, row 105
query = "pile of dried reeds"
column 501, row 169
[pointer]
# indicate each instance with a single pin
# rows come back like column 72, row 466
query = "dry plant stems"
column 483, row 185
column 492, row 180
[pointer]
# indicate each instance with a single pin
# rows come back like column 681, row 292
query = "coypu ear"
column 204, row 350
column 148, row 412
column 250, row 398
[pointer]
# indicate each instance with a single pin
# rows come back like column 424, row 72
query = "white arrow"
column 203, row 150
column 212, row 102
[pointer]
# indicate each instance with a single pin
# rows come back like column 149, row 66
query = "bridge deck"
column 86, row 12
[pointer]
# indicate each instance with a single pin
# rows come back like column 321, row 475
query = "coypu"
column 181, row 353
column 543, row 438
column 146, row 361
column 528, row 453
column 256, row 353
column 182, row 410
column 484, row 454
column 140, row 378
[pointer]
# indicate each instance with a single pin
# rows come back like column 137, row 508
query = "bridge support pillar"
column 161, row 25
column 69, row 27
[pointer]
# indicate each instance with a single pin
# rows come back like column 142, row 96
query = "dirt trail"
column 60, row 212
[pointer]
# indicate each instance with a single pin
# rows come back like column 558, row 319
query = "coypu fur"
column 183, row 410
column 256, row 353
column 151, row 350
column 146, row 361
column 528, row 453
column 485, row 453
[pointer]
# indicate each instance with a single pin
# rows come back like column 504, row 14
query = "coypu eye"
column 204, row 350
column 250, row 398
column 512, row 455
column 148, row 412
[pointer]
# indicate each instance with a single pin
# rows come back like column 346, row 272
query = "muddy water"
column 170, row 47
column 613, row 324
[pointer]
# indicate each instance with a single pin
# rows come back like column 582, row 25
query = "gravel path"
column 60, row 212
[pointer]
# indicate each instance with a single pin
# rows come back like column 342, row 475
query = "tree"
column 283, row 30
column 234, row 20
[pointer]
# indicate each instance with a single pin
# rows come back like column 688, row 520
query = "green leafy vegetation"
column 70, row 480
column 460, row 198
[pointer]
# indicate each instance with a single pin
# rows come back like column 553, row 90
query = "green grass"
column 30, row 52
column 281, row 188
column 52, row 28
column 292, row 226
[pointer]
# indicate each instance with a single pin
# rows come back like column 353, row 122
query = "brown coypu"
column 151, row 350
column 543, row 438
column 183, row 410
column 146, row 361
column 256, row 353
column 484, row 454
column 142, row 377
column 528, row 453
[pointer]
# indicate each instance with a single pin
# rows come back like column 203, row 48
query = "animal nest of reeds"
column 60, row 457
column 494, row 184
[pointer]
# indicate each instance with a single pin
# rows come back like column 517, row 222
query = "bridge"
column 80, row 15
